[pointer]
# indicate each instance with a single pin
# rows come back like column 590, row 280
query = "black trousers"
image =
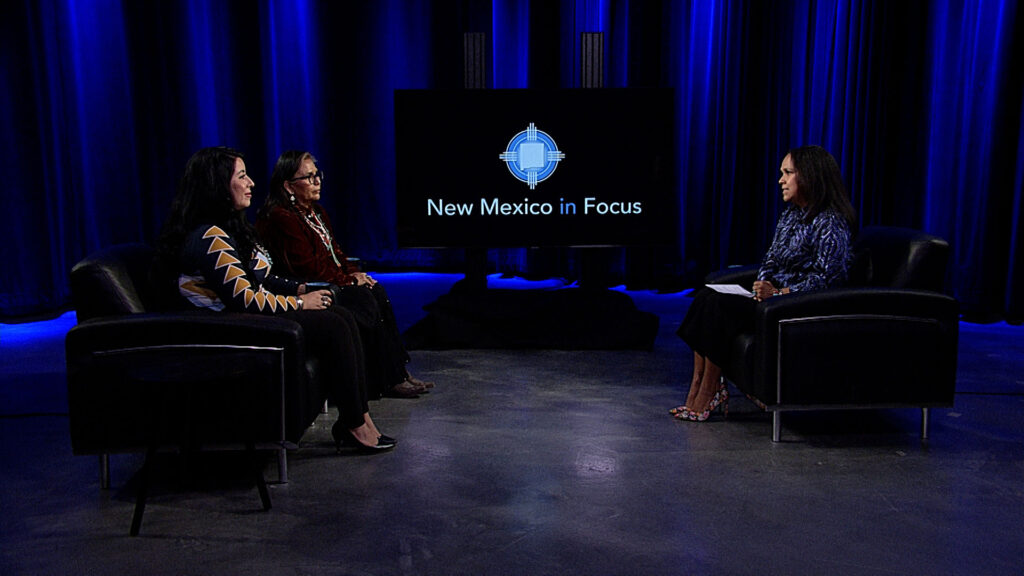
column 386, row 356
column 332, row 336
column 713, row 322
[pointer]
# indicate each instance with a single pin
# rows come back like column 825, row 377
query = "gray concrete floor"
column 558, row 462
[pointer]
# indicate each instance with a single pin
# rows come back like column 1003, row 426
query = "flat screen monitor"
column 524, row 168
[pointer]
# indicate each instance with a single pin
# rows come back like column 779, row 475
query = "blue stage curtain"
column 64, row 81
column 972, row 188
column 103, row 101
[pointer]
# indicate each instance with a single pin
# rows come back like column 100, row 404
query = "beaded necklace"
column 325, row 235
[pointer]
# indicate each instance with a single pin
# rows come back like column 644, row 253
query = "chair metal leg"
column 924, row 423
column 257, row 469
column 142, row 492
column 282, row 465
column 104, row 471
column 776, row 426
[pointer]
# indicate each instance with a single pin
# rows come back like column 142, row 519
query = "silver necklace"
column 323, row 233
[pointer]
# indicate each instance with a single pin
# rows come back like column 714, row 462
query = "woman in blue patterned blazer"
column 810, row 251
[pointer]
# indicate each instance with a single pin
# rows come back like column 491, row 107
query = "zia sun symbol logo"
column 532, row 156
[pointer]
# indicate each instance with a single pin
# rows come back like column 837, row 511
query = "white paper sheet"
column 731, row 289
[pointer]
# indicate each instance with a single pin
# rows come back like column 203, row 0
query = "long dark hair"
column 287, row 165
column 204, row 197
column 821, row 183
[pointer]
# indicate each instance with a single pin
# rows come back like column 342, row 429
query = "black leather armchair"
column 140, row 379
column 887, row 339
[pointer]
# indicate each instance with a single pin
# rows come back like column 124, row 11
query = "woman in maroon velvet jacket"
column 299, row 236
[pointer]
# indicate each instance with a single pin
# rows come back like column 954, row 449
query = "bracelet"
column 300, row 302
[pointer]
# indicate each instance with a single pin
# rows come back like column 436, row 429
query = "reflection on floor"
column 540, row 462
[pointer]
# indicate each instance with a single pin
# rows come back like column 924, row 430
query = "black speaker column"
column 474, row 77
column 595, row 263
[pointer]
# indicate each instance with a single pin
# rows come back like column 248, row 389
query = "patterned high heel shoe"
column 720, row 400
column 682, row 411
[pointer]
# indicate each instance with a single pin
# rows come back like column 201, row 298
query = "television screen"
column 522, row 168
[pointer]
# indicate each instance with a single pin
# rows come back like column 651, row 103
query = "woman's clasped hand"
column 318, row 300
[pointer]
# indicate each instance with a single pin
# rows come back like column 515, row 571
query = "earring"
column 292, row 198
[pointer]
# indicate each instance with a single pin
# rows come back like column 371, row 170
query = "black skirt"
column 334, row 340
column 713, row 322
column 386, row 356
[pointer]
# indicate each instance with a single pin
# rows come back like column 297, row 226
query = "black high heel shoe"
column 343, row 438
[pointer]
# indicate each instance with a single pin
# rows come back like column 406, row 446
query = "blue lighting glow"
column 510, row 31
column 207, row 91
column 14, row 336
column 968, row 42
column 293, row 84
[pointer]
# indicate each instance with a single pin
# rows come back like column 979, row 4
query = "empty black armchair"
column 140, row 379
column 887, row 339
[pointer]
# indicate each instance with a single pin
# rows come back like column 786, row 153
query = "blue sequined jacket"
column 808, row 256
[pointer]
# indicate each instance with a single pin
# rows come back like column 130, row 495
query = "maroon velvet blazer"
column 298, row 250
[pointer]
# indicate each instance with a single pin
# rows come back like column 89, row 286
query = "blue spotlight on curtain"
column 71, row 141
column 293, row 80
column 392, row 45
column 202, row 45
column 705, row 90
column 215, row 59
column 970, row 43
column 511, row 44
column 618, row 48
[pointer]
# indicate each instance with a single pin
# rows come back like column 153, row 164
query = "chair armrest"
column 857, row 346
column 182, row 345
column 191, row 327
column 129, row 377
column 855, row 301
